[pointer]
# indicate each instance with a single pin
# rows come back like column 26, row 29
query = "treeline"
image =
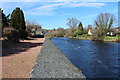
column 14, row 26
column 60, row 32
column 102, row 25
column 75, row 29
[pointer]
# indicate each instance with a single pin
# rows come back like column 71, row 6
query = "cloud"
column 60, row 0
column 48, row 9
column 76, row 4
column 35, row 12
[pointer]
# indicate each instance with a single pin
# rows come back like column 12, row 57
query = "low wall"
column 52, row 63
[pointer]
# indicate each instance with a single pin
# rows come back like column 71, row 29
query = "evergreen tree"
column 4, row 20
column 23, row 26
column 80, row 26
column 18, row 22
column 0, row 23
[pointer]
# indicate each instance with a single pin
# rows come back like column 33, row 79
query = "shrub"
column 23, row 35
column 67, row 33
column 97, row 34
column 11, row 34
column 118, row 35
column 85, row 32
column 55, row 34
column 60, row 32
column 85, row 35
column 78, row 32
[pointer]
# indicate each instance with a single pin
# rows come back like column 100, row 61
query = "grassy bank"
column 106, row 38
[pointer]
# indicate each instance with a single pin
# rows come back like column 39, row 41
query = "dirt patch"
column 19, row 58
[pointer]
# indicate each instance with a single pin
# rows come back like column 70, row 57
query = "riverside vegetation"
column 15, row 28
column 103, row 24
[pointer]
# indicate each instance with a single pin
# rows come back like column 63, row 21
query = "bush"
column 67, row 33
column 11, row 34
column 85, row 35
column 55, row 34
column 60, row 32
column 78, row 32
column 23, row 35
column 97, row 35
column 118, row 35
column 85, row 32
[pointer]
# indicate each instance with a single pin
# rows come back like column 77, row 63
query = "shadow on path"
column 10, row 48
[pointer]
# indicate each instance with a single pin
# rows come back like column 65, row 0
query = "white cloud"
column 60, row 0
column 45, row 9
column 85, row 4
column 48, row 9
column 69, row 4
column 36, row 12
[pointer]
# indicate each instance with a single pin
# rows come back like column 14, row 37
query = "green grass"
column 111, row 37
column 106, row 38
column 76, row 69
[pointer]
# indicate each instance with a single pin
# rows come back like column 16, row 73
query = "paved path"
column 19, row 58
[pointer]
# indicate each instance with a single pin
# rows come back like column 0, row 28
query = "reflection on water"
column 96, row 59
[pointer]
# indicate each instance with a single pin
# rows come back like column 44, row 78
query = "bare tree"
column 32, row 27
column 105, row 20
column 73, row 24
column 103, row 23
column 89, row 26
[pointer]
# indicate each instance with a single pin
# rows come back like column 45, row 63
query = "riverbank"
column 52, row 63
column 89, row 38
column 19, row 58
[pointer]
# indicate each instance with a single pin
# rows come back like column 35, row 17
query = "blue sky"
column 55, row 14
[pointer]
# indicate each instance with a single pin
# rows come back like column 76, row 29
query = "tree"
column 103, row 24
column 5, row 20
column 79, row 30
column 54, row 29
column 80, row 26
column 104, row 21
column 32, row 27
column 18, row 22
column 72, row 23
column 89, row 26
column 59, row 32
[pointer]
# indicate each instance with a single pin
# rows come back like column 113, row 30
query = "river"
column 96, row 59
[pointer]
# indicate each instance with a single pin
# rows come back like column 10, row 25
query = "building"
column 89, row 32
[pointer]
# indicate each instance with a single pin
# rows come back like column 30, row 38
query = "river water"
column 96, row 59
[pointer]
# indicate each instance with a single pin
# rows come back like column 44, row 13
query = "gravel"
column 52, row 63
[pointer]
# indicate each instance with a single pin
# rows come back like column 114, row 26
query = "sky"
column 52, row 14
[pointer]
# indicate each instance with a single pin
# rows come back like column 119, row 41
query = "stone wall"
column 52, row 63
